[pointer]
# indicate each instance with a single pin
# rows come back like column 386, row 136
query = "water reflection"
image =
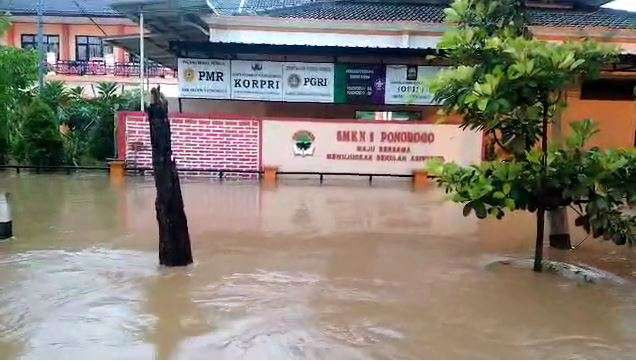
column 175, row 316
column 298, row 270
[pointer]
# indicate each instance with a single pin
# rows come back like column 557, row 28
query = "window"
column 609, row 89
column 51, row 43
column 395, row 116
column 89, row 47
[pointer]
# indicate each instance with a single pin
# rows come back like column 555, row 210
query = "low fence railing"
column 222, row 173
column 99, row 67
column 218, row 173
column 58, row 168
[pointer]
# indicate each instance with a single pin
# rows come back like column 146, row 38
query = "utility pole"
column 40, row 41
column 142, row 61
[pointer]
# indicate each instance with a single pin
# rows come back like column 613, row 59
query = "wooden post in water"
column 174, row 239
column 6, row 224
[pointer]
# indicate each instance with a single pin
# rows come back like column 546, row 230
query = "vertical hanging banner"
column 360, row 84
column 204, row 78
column 257, row 80
column 308, row 82
column 408, row 84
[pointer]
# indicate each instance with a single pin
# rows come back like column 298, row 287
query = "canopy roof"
column 173, row 22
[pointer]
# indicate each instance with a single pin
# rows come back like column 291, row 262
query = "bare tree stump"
column 174, row 239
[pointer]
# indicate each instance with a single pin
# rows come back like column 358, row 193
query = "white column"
column 142, row 60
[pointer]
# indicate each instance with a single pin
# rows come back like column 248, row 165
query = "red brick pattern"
column 198, row 143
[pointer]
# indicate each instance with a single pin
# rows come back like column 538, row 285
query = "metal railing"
column 220, row 173
column 56, row 168
column 99, row 67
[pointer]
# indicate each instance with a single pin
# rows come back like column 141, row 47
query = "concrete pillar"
column 420, row 178
column 270, row 174
column 65, row 43
column 117, row 170
column 6, row 226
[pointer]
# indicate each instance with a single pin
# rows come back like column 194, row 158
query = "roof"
column 233, row 7
column 434, row 13
column 98, row 8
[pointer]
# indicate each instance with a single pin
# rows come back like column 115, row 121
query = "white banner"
column 257, row 80
column 407, row 84
column 204, row 78
column 379, row 148
column 308, row 82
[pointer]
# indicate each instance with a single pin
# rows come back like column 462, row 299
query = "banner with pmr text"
column 204, row 78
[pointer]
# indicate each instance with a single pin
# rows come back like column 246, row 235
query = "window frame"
column 46, row 42
column 91, row 41
column 417, row 115
column 609, row 89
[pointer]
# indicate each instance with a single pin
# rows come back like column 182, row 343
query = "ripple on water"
column 76, row 300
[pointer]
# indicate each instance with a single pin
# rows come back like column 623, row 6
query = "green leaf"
column 467, row 209
column 510, row 204
column 480, row 210
column 482, row 104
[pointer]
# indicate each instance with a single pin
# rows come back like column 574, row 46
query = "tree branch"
column 494, row 135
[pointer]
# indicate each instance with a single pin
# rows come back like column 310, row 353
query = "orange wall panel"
column 68, row 32
column 616, row 120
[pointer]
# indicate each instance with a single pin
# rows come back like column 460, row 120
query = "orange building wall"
column 67, row 34
column 616, row 120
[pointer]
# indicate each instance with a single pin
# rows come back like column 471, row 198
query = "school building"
column 336, row 86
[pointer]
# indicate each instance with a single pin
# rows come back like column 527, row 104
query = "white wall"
column 449, row 142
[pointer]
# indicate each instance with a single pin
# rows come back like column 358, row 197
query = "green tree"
column 510, row 86
column 38, row 139
column 102, row 133
column 18, row 72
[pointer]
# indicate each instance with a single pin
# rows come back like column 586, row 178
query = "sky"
column 623, row 5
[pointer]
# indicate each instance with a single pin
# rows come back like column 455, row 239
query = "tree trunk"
column 174, row 239
column 538, row 250
column 559, row 228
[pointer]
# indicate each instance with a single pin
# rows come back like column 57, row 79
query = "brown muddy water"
column 342, row 270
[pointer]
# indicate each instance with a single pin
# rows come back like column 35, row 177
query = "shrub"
column 38, row 141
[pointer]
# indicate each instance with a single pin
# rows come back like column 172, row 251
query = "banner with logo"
column 408, row 84
column 204, row 78
column 364, row 147
column 257, row 80
column 359, row 84
column 308, row 82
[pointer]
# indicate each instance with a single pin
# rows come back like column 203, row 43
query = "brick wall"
column 197, row 142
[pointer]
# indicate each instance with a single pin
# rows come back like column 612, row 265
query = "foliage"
column 511, row 86
column 4, row 23
column 101, row 134
column 18, row 71
column 597, row 184
column 87, row 124
column 130, row 100
column 55, row 95
column 505, row 81
column 38, row 140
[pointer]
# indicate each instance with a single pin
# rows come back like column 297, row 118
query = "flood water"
column 342, row 270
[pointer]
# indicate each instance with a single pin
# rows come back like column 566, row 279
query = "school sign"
column 305, row 82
